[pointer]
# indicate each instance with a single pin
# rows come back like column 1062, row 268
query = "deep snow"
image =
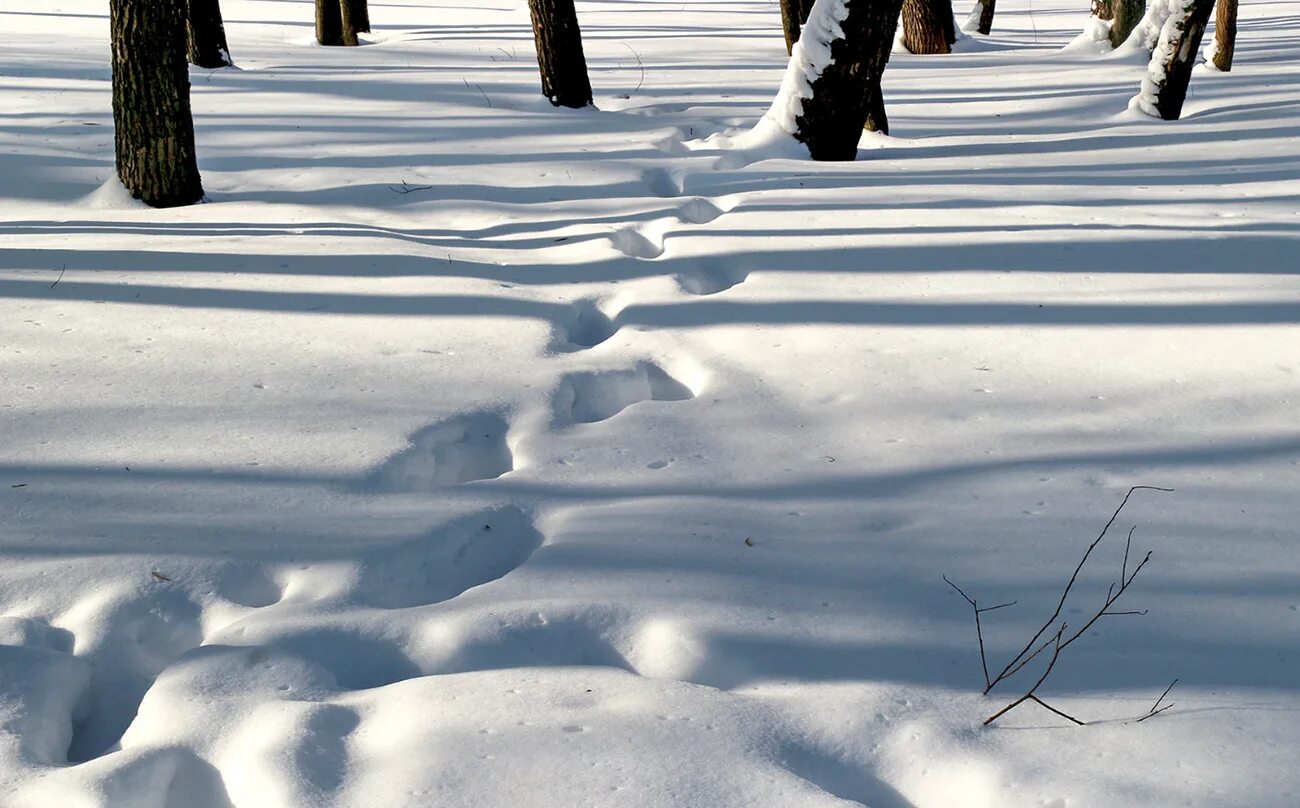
column 610, row 461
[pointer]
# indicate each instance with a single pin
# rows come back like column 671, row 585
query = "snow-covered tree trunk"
column 206, row 35
column 1124, row 16
column 982, row 16
column 1225, row 34
column 559, row 53
column 794, row 13
column 152, row 125
column 928, row 26
column 1165, row 87
column 833, row 81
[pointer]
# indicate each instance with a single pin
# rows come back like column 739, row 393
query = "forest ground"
column 463, row 451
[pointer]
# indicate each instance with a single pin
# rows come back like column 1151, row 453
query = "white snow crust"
column 465, row 452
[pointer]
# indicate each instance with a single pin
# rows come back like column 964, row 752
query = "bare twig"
column 409, row 189
column 1031, row 694
column 1156, row 709
column 56, row 280
column 638, row 64
column 1027, row 653
column 480, row 90
column 979, row 630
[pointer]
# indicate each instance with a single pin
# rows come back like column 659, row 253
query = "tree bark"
column 1225, row 34
column 986, row 8
column 1175, row 56
column 153, row 127
column 832, row 120
column 1125, row 15
column 1101, row 10
column 877, row 119
column 206, row 35
column 358, row 13
column 794, row 13
column 329, row 24
column 347, row 23
column 559, row 53
column 928, row 26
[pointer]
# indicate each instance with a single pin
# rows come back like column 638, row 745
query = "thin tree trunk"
column 877, row 119
column 206, row 35
column 1225, row 34
column 1125, row 15
column 1173, row 60
column 559, row 53
column 358, row 12
column 152, row 124
column 347, row 23
column 832, row 119
column 794, row 13
column 928, row 26
column 986, row 8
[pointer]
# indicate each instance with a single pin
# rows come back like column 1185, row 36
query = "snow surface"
column 463, row 451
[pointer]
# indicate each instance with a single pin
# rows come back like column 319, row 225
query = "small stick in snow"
column 480, row 90
column 638, row 64
column 1031, row 695
column 56, row 280
column 979, row 631
column 158, row 576
column 409, row 189
column 1156, row 709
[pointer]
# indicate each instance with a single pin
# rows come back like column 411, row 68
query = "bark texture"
column 877, row 119
column 1125, row 15
column 987, row 7
column 1175, row 57
column 559, row 53
column 928, row 26
column 1225, row 34
column 1101, row 10
column 356, row 13
column 794, row 13
column 152, row 125
column 206, row 35
column 329, row 24
column 842, row 96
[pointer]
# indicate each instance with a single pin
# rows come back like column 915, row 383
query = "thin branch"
column 1156, row 709
column 409, row 189
column 638, row 64
column 979, row 628
column 56, row 280
column 1031, row 694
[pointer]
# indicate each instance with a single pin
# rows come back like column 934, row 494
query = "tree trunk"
column 1173, row 60
column 206, row 35
column 927, row 26
column 1225, row 34
column 358, row 13
column 347, row 23
column 152, row 124
column 559, row 53
column 877, row 120
column 843, row 95
column 986, row 8
column 1125, row 15
column 329, row 23
column 794, row 13
column 1101, row 10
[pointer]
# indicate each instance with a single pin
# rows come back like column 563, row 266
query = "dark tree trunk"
column 347, row 24
column 206, row 35
column 877, row 120
column 1177, row 56
column 1101, row 10
column 986, row 8
column 1125, row 15
column 152, row 124
column 833, row 118
column 559, row 53
column 1225, row 34
column 794, row 13
column 329, row 23
column 357, row 13
column 928, row 26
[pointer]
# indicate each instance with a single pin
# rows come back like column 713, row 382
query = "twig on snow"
column 979, row 631
column 639, row 66
column 409, row 189
column 1156, row 709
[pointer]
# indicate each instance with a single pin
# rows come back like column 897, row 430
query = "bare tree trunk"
column 1173, row 60
column 206, row 35
column 842, row 96
column 1125, row 15
column 358, row 12
column 329, row 23
column 152, row 124
column 1225, row 34
column 928, row 26
column 559, row 53
column 794, row 13
column 986, row 7
column 1101, row 10
column 347, row 24
column 877, row 119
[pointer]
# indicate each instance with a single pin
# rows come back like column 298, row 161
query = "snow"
column 810, row 56
column 463, row 451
